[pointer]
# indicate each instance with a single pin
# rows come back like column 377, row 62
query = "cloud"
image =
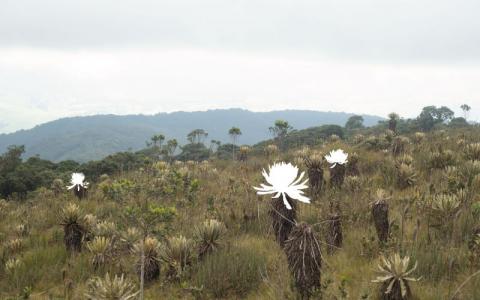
column 62, row 58
column 42, row 85
column 373, row 30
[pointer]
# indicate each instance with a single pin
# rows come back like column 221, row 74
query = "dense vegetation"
column 204, row 233
column 94, row 137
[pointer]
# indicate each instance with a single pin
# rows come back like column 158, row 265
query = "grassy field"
column 431, row 184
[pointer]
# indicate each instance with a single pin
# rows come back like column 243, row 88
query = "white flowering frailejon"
column 337, row 157
column 78, row 181
column 283, row 181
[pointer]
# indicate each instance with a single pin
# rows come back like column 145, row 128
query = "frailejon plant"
column 22, row 230
column 177, row 253
column 395, row 277
column 453, row 178
column 57, row 186
column 71, row 217
column 106, row 229
column 89, row 224
column 352, row 167
column 130, row 237
column 270, row 151
column 472, row 151
column 108, row 288
column 404, row 159
column 406, row 176
column 243, row 153
column 334, row 233
column 146, row 217
column 209, row 237
column 358, row 138
column 14, row 246
column 12, row 265
column 380, row 215
column 441, row 159
column 399, row 145
column 338, row 160
column 151, row 266
column 286, row 187
column 304, row 259
column 314, row 164
column 443, row 210
column 78, row 184
column 418, row 137
column 100, row 248
column 353, row 183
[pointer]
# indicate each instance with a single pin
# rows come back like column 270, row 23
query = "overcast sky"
column 59, row 58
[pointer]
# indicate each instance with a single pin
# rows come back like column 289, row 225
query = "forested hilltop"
column 94, row 137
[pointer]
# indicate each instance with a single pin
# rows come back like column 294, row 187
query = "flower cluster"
column 336, row 157
column 283, row 181
column 77, row 180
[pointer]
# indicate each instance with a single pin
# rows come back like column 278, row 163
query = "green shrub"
column 235, row 271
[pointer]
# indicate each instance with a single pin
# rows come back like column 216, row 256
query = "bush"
column 235, row 271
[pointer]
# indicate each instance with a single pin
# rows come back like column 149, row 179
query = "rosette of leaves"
column 418, row 137
column 472, row 151
column 130, row 237
column 151, row 258
column 100, row 248
column 380, row 215
column 209, row 237
column 395, row 277
column 399, row 145
column 406, row 176
column 444, row 208
column 177, row 253
column 314, row 164
column 71, row 217
column 453, row 178
column 109, row 288
column 441, row 159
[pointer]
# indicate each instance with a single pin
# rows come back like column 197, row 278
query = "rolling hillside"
column 94, row 137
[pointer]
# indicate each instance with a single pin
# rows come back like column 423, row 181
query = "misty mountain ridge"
column 94, row 137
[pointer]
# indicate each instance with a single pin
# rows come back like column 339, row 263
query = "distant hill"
column 94, row 137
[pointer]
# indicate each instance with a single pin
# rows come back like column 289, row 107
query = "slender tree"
column 146, row 216
column 354, row 122
column 280, row 130
column 171, row 147
column 197, row 136
column 234, row 133
column 393, row 120
column 157, row 140
column 466, row 108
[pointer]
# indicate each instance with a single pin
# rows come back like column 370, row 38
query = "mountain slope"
column 93, row 137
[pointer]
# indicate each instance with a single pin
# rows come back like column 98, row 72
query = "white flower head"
column 283, row 181
column 77, row 180
column 337, row 157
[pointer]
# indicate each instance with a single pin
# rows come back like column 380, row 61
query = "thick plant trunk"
column 334, row 233
column 283, row 219
column 79, row 191
column 380, row 218
column 304, row 259
column 315, row 179
column 73, row 234
column 142, row 269
column 396, row 293
column 337, row 176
